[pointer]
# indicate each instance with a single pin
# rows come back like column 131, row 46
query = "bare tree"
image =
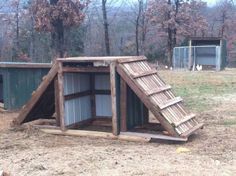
column 106, row 29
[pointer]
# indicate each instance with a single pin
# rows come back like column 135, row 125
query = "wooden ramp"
column 158, row 97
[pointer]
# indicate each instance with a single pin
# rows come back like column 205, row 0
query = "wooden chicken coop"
column 111, row 96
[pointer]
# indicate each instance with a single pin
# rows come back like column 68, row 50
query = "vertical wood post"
column 123, row 105
column 93, row 98
column 56, row 91
column 113, row 98
column 61, row 97
column 190, row 55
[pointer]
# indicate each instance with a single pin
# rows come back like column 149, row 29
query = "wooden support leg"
column 93, row 97
column 61, row 97
column 123, row 105
column 56, row 91
column 113, row 99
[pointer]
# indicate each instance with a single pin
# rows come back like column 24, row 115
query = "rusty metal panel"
column 103, row 105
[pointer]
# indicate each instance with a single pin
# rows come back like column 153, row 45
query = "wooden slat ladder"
column 171, row 112
column 170, row 102
column 158, row 90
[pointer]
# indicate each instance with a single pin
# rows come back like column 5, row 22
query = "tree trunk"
column 169, row 47
column 106, row 30
column 169, row 41
column 137, row 27
column 57, row 35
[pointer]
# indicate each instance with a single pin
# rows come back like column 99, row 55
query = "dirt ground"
column 212, row 151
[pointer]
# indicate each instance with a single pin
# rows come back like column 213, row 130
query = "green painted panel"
column 135, row 110
column 19, row 83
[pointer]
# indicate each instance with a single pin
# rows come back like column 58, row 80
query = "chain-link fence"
column 184, row 58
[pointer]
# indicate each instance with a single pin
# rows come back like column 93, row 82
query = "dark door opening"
column 1, row 89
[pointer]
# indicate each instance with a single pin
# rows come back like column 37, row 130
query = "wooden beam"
column 102, row 92
column 145, row 99
column 86, row 69
column 93, row 96
column 61, row 96
column 133, row 59
column 96, row 134
column 80, row 124
column 77, row 95
column 192, row 130
column 158, row 90
column 36, row 96
column 113, row 99
column 146, row 73
column 155, row 136
column 123, row 105
column 106, row 59
column 57, row 108
column 185, row 119
column 170, row 102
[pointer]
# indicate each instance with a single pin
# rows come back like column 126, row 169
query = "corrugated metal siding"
column 74, row 82
column 19, row 83
column 103, row 105
column 102, row 82
column 103, row 102
column 77, row 109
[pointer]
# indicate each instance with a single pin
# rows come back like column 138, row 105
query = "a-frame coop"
column 113, row 94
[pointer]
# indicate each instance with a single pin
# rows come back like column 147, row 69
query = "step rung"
column 192, row 130
column 158, row 90
column 170, row 102
column 185, row 119
column 146, row 73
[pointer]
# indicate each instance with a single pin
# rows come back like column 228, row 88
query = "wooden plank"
column 86, row 69
column 106, row 122
column 96, row 134
column 156, row 136
column 140, row 93
column 80, row 124
column 192, row 130
column 123, row 105
column 35, row 97
column 170, row 102
column 113, row 99
column 56, row 88
column 77, row 95
column 132, row 59
column 61, row 97
column 185, row 119
column 146, row 73
column 94, row 59
column 102, row 92
column 158, row 90
column 93, row 95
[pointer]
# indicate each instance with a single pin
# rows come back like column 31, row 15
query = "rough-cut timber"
column 130, row 73
column 158, row 97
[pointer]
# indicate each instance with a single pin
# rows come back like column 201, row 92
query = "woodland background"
column 41, row 30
